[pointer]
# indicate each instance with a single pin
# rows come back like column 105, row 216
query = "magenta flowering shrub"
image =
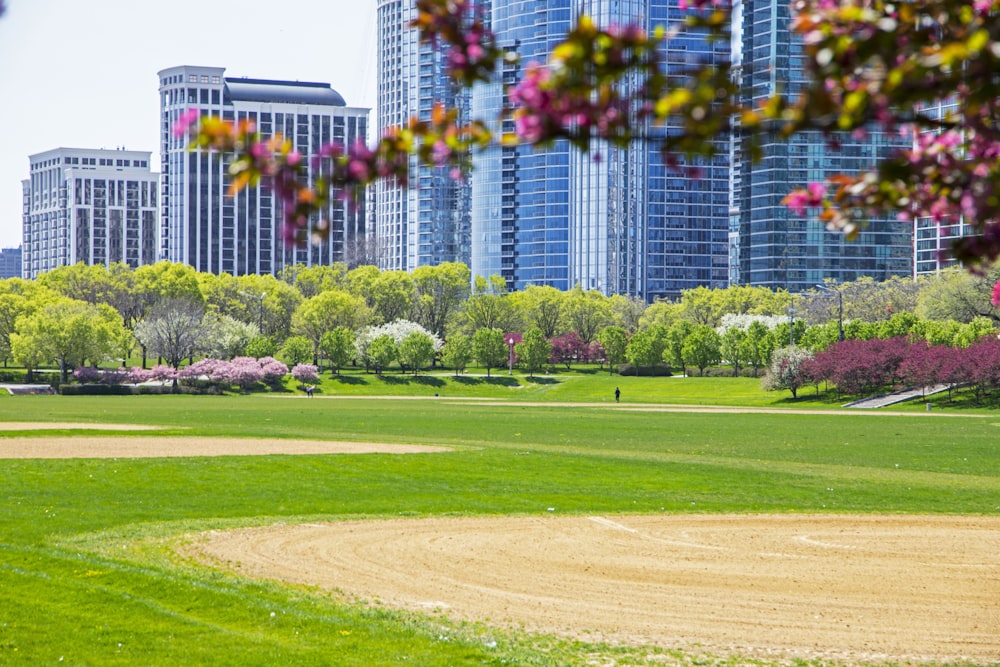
column 163, row 373
column 869, row 366
column 272, row 369
column 115, row 376
column 138, row 375
column 87, row 374
column 245, row 372
column 305, row 373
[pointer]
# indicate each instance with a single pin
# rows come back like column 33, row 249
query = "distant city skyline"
column 83, row 73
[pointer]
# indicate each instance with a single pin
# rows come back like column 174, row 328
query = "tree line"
column 88, row 315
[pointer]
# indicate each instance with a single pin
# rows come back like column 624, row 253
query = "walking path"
column 16, row 389
column 897, row 397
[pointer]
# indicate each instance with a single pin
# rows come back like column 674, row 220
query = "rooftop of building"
column 292, row 92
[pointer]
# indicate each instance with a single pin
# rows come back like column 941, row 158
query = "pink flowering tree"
column 867, row 64
column 272, row 369
column 246, row 372
column 138, row 375
column 305, row 373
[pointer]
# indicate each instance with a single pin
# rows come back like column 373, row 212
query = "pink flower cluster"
column 305, row 373
column 472, row 51
column 245, row 372
column 582, row 92
column 799, row 200
column 307, row 189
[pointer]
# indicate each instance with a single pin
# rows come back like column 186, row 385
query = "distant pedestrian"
column 309, row 390
column 618, row 394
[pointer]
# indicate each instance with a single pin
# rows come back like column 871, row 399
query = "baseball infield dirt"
column 100, row 447
column 846, row 588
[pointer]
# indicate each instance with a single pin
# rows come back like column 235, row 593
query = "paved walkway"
column 897, row 397
column 21, row 389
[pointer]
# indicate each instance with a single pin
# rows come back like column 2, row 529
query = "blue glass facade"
column 771, row 246
column 615, row 219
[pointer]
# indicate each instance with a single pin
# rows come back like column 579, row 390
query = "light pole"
column 840, row 308
column 510, row 357
column 791, row 326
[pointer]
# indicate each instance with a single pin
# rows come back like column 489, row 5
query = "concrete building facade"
column 202, row 225
column 93, row 206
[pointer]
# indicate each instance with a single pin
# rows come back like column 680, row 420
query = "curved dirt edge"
column 96, row 447
column 852, row 589
column 75, row 426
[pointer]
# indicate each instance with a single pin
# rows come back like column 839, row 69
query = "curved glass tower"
column 614, row 220
column 775, row 247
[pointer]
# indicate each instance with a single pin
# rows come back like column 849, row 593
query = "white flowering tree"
column 397, row 330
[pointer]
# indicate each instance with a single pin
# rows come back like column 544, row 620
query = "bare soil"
column 853, row 589
column 94, row 447
column 76, row 426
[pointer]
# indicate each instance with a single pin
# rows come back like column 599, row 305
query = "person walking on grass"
column 618, row 394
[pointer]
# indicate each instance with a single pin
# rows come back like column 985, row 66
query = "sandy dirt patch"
column 94, row 447
column 76, row 426
column 846, row 588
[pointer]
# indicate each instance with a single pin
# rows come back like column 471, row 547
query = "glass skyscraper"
column 614, row 219
column 241, row 234
column 771, row 246
column 426, row 223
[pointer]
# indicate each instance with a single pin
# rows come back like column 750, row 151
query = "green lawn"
column 85, row 576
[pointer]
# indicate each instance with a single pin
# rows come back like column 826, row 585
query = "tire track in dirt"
column 846, row 588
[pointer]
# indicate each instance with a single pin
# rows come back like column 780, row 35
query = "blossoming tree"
column 868, row 64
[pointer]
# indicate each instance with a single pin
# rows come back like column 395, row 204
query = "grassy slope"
column 102, row 600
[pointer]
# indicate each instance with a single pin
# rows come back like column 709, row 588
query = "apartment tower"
column 93, row 206
column 215, row 232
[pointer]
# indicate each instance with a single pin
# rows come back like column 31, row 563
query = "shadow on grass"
column 475, row 380
column 424, row 380
column 541, row 380
column 348, row 379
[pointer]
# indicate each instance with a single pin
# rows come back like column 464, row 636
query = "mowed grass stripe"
column 114, row 518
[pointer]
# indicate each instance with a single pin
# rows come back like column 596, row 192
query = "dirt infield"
column 76, row 426
column 99, row 447
column 846, row 588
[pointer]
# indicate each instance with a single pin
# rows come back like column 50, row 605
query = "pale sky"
column 82, row 73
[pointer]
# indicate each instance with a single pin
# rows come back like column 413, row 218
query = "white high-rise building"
column 93, row 206
column 207, row 228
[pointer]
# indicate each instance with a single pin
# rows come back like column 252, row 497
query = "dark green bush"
column 97, row 390
column 661, row 370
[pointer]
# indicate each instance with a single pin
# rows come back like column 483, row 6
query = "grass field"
column 87, row 575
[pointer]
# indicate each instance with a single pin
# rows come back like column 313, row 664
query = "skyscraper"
column 428, row 222
column 93, row 206
column 204, row 227
column 615, row 220
column 772, row 246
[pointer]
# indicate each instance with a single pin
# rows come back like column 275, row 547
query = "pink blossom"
column 995, row 299
column 185, row 121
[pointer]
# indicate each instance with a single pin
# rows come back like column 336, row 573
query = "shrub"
column 96, row 390
column 87, row 374
column 660, row 370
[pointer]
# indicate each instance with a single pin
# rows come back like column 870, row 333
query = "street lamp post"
column 791, row 326
column 510, row 358
column 840, row 308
